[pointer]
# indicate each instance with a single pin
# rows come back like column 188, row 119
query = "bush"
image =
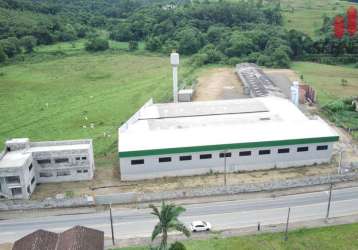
column 199, row 59
column 234, row 60
column 280, row 58
column 97, row 44
column 153, row 44
column 133, row 45
column 213, row 55
column 3, row 56
column 177, row 246
column 28, row 43
column 264, row 60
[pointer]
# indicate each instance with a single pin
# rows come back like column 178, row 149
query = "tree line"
column 213, row 32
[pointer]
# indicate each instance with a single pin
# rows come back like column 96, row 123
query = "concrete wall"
column 82, row 169
column 153, row 169
column 124, row 198
column 25, row 175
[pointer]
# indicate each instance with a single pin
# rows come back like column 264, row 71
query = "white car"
column 197, row 226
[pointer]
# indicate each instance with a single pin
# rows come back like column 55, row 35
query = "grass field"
column 307, row 15
column 326, row 79
column 82, row 96
column 327, row 238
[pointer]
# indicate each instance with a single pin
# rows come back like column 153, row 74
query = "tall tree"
column 168, row 221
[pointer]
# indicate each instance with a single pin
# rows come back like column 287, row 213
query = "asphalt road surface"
column 131, row 223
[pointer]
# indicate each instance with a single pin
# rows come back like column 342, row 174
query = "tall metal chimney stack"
column 174, row 61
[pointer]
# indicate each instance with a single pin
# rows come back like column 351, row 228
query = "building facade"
column 23, row 164
column 230, row 135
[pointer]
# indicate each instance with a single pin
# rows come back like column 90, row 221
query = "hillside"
column 307, row 15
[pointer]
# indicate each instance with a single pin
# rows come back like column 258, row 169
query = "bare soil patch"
column 106, row 182
column 218, row 83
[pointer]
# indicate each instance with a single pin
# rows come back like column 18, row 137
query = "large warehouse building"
column 178, row 139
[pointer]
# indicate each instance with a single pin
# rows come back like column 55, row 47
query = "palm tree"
column 168, row 221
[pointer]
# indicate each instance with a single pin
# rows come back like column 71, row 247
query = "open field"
column 328, row 238
column 326, row 79
column 82, row 96
column 307, row 15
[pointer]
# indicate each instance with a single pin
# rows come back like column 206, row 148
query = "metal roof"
column 233, row 123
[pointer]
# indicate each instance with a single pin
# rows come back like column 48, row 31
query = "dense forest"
column 213, row 32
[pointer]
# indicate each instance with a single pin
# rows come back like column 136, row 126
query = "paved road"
column 132, row 223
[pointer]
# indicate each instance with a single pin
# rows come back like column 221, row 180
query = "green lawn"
column 78, row 46
column 307, row 15
column 60, row 98
column 326, row 79
column 328, row 238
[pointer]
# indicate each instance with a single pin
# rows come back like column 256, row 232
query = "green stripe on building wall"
column 164, row 151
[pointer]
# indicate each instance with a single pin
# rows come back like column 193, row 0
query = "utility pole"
column 288, row 220
column 111, row 219
column 340, row 162
column 329, row 200
column 225, row 153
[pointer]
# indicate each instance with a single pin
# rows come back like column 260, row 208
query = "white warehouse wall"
column 153, row 169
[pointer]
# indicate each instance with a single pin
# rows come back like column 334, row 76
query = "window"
column 165, row 159
column 63, row 173
column 16, row 191
column 245, row 153
column 44, row 161
column 137, row 162
column 283, row 150
column 78, row 158
column 61, row 160
column 322, row 147
column 79, row 171
column 13, row 179
column 302, row 149
column 222, row 155
column 32, row 180
column 46, row 174
column 84, row 158
column 185, row 158
column 264, row 152
column 205, row 156
column 85, row 171
column 30, row 167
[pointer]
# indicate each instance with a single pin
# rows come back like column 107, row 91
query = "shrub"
column 153, row 44
column 264, row 60
column 3, row 56
column 28, row 43
column 199, row 59
column 97, row 44
column 133, row 45
column 177, row 246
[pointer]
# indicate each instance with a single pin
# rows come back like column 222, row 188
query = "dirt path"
column 218, row 83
